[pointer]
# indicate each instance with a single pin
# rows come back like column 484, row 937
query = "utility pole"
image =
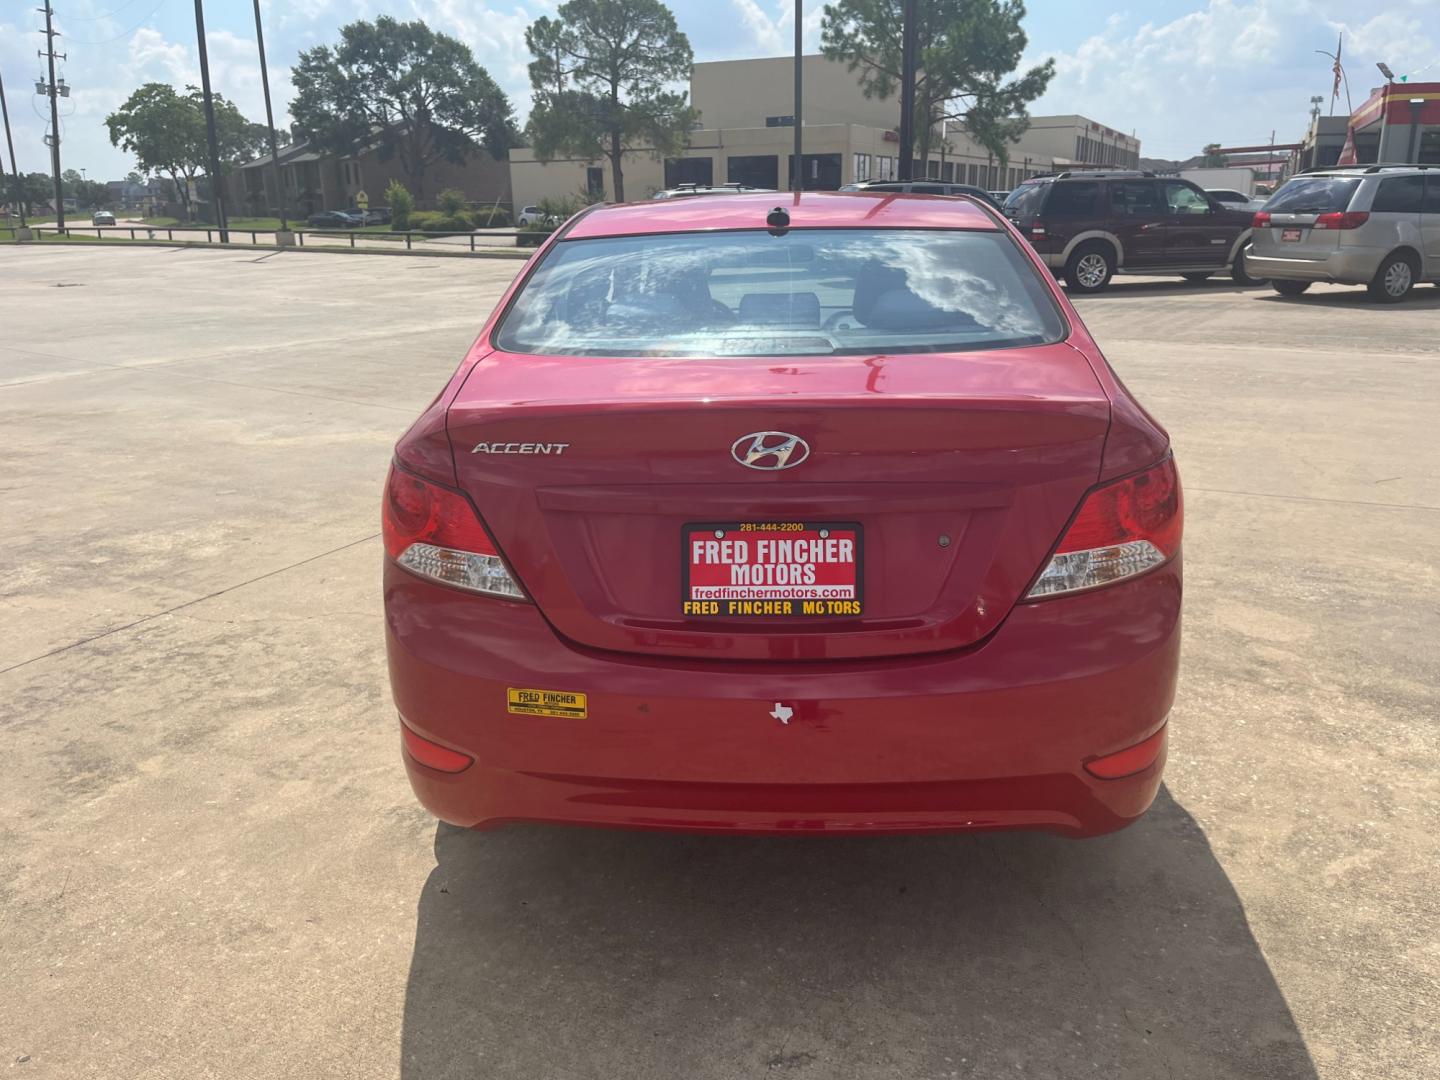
column 907, row 91
column 53, row 92
column 14, row 169
column 799, row 156
column 212, row 143
column 270, row 118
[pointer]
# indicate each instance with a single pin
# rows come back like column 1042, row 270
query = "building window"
column 862, row 168
column 693, row 170
column 760, row 170
column 819, row 172
column 595, row 182
column 947, row 172
column 887, row 167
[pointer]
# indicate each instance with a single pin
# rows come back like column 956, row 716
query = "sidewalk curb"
column 501, row 253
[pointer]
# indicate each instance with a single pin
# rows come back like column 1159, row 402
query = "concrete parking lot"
column 211, row 864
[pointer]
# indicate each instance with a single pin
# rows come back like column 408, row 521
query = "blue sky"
column 1179, row 73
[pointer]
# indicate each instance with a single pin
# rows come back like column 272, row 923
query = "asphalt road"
column 211, row 864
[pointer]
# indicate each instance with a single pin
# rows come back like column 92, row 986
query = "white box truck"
column 1241, row 180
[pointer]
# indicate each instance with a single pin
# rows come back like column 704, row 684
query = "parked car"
column 532, row 215
column 1089, row 226
column 923, row 187
column 102, row 217
column 1371, row 225
column 913, row 566
column 375, row 215
column 1237, row 199
column 333, row 219
column 999, row 197
column 687, row 191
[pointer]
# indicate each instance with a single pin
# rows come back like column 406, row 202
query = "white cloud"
column 1232, row 70
column 769, row 34
column 763, row 30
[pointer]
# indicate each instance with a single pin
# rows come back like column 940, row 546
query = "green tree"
column 33, row 189
column 92, row 195
column 601, row 78
column 165, row 130
column 402, row 205
column 967, row 50
column 417, row 94
column 1211, row 158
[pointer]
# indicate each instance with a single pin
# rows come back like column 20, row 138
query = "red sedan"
column 827, row 517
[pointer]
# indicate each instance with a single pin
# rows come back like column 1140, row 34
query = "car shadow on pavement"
column 548, row 952
column 1119, row 288
column 1424, row 297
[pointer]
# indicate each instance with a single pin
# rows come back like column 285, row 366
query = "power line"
column 97, row 18
column 106, row 41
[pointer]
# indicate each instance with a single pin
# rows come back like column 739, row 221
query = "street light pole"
column 49, row 33
column 212, row 143
column 1384, row 109
column 14, row 169
column 907, row 91
column 270, row 116
column 798, row 181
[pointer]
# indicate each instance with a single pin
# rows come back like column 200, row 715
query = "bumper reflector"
column 433, row 755
column 1131, row 760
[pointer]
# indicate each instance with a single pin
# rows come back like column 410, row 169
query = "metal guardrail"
column 150, row 232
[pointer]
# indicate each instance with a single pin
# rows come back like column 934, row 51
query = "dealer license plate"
column 1289, row 234
column 765, row 569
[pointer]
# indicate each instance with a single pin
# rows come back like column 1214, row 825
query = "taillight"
column 1339, row 220
column 1124, row 528
column 433, row 531
column 1261, row 220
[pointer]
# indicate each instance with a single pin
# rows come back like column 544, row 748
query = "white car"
column 102, row 217
column 531, row 215
column 1237, row 199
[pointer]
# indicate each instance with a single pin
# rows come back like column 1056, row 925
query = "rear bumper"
column 1352, row 266
column 993, row 737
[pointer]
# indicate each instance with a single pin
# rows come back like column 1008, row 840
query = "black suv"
column 1090, row 226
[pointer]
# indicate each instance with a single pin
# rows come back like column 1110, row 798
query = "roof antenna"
column 778, row 221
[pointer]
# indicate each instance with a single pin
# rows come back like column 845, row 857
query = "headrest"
column 780, row 309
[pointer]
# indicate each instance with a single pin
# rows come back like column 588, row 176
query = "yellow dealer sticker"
column 545, row 703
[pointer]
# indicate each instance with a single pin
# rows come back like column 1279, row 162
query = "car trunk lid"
column 957, row 472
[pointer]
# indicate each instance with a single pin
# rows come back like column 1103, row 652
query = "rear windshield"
column 1024, row 200
column 1313, row 194
column 808, row 292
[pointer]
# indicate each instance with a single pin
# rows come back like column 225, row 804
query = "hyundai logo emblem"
column 770, row 451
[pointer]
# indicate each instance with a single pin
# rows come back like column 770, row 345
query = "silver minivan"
column 1371, row 225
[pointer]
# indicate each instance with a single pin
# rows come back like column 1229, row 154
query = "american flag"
column 1335, row 90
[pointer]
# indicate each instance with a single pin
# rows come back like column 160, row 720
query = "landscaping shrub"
column 402, row 205
column 451, row 202
column 491, row 217
column 437, row 221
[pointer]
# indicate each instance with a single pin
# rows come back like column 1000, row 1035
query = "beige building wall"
column 864, row 153
column 742, row 93
column 737, row 97
column 1056, row 137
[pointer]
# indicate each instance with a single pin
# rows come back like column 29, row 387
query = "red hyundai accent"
column 822, row 518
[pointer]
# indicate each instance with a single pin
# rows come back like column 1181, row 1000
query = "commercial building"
column 1399, row 122
column 746, row 136
column 315, row 180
